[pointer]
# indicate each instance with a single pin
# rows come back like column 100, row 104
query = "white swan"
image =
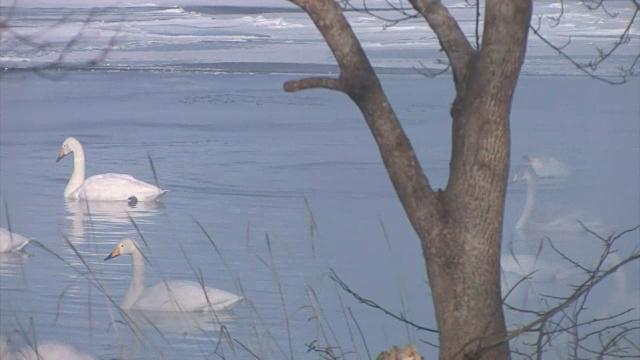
column 11, row 241
column 551, row 221
column 177, row 295
column 109, row 186
column 547, row 167
column 50, row 350
column 543, row 277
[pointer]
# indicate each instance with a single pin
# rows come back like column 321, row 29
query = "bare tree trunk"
column 460, row 228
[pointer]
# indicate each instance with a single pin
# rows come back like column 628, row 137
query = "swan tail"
column 161, row 194
column 21, row 246
column 223, row 305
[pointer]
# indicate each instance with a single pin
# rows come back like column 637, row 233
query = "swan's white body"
column 173, row 295
column 11, row 241
column 547, row 167
column 49, row 350
column 551, row 221
column 542, row 278
column 548, row 281
column 108, row 187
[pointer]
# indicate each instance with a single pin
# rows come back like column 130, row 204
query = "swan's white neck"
column 530, row 202
column 136, row 288
column 77, row 177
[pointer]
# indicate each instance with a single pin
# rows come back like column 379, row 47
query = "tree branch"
column 595, row 277
column 590, row 67
column 313, row 83
column 368, row 302
column 359, row 81
column 390, row 21
column 16, row 40
column 452, row 39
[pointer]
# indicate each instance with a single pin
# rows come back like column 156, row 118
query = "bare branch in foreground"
column 16, row 42
column 589, row 68
column 372, row 304
column 609, row 335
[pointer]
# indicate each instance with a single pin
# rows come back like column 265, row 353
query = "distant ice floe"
column 177, row 10
column 13, row 59
column 185, row 33
column 136, row 3
column 279, row 22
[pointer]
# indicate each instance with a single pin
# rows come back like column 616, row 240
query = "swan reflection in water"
column 11, row 263
column 178, row 322
column 145, row 325
column 98, row 216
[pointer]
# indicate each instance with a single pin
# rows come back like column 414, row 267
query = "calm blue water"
column 287, row 186
column 240, row 157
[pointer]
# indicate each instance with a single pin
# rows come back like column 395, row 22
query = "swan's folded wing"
column 180, row 295
column 220, row 299
column 119, row 187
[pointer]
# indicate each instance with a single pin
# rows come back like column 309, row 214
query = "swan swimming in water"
column 11, row 241
column 551, row 221
column 110, row 186
column 175, row 295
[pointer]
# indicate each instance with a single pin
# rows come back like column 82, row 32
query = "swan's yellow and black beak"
column 62, row 154
column 114, row 253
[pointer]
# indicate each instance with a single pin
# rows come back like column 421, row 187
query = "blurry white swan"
column 108, row 186
column 49, row 350
column 547, row 167
column 550, row 221
column 175, row 295
column 548, row 281
column 543, row 277
column 11, row 241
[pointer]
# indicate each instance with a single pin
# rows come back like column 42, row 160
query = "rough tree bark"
column 459, row 227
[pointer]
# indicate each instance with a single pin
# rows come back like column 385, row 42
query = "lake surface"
column 287, row 186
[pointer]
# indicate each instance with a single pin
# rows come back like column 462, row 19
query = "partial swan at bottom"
column 49, row 350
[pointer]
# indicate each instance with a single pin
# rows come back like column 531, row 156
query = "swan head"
column 124, row 247
column 534, row 163
column 68, row 146
column 523, row 173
